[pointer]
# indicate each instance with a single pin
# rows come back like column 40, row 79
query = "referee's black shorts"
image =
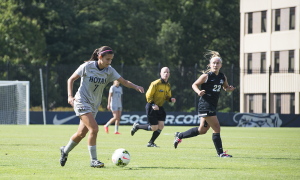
column 155, row 115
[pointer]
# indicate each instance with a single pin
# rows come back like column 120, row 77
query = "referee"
column 158, row 92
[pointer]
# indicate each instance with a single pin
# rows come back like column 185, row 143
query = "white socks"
column 116, row 128
column 107, row 124
column 93, row 152
column 70, row 146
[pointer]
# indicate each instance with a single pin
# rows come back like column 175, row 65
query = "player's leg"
column 136, row 126
column 152, row 121
column 75, row 139
column 90, row 122
column 202, row 129
column 215, row 125
column 113, row 119
column 117, row 122
column 161, row 116
column 156, row 132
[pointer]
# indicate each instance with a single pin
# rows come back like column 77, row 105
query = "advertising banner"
column 176, row 119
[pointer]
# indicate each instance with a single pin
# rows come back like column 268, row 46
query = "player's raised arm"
column 129, row 84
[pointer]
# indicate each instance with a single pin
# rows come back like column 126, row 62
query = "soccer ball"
column 121, row 157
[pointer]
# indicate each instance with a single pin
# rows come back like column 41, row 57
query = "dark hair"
column 101, row 51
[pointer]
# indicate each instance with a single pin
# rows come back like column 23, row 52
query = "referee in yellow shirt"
column 158, row 92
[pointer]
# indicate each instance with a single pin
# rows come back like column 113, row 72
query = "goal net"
column 14, row 102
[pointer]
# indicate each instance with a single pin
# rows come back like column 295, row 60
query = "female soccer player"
column 95, row 75
column 115, row 105
column 158, row 92
column 211, row 82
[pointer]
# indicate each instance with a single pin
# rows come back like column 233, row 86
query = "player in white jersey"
column 115, row 105
column 95, row 74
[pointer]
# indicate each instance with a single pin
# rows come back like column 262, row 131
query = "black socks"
column 155, row 135
column 194, row 132
column 218, row 142
column 146, row 127
column 189, row 133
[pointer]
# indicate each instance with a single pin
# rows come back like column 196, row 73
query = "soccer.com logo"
column 170, row 119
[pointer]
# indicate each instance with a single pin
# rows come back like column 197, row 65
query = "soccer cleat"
column 117, row 133
column 96, row 164
column 152, row 145
column 134, row 129
column 105, row 129
column 177, row 140
column 224, row 155
column 64, row 156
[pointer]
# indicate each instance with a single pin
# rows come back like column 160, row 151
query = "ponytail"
column 211, row 55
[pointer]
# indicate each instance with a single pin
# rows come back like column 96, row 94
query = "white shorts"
column 82, row 108
column 112, row 108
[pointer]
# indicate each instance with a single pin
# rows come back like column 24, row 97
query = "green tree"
column 206, row 24
column 21, row 40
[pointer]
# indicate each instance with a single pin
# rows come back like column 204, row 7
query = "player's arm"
column 169, row 96
column 109, row 100
column 226, row 87
column 71, row 80
column 129, row 84
column 198, row 82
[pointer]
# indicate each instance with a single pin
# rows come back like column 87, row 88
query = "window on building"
column 249, row 70
column 263, row 62
column 291, row 61
column 264, row 104
column 292, row 18
column 251, row 103
column 278, row 103
column 264, row 21
column 276, row 62
column 250, row 23
column 292, row 104
column 277, row 20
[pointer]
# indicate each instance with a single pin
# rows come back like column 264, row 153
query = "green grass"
column 32, row 152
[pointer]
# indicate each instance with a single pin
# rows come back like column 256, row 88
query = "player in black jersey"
column 211, row 83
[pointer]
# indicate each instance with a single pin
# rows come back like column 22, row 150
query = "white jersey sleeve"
column 113, row 75
column 111, row 89
column 81, row 71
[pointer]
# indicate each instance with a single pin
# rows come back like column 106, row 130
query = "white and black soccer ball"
column 121, row 157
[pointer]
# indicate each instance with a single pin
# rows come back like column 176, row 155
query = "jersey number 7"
column 96, row 86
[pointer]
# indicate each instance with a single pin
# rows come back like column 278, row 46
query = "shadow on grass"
column 270, row 158
column 138, row 168
column 19, row 144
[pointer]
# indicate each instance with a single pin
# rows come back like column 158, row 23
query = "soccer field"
column 32, row 152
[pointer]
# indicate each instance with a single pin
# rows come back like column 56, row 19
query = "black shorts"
column 206, row 113
column 155, row 115
column 205, row 108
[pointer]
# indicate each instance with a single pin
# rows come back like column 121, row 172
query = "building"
column 269, row 56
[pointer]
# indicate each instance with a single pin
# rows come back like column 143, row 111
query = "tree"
column 206, row 24
column 21, row 40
